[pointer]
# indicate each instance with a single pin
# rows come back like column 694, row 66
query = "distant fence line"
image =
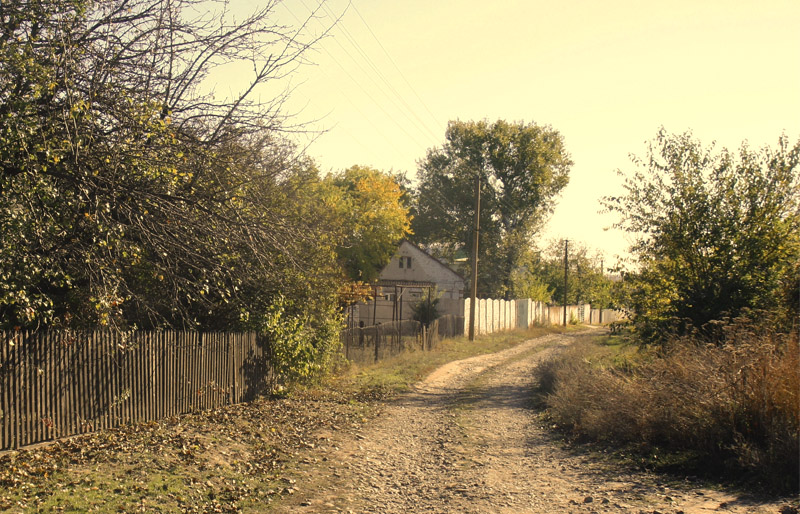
column 493, row 315
column 58, row 384
column 498, row 315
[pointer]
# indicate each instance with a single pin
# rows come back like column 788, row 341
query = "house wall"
column 424, row 268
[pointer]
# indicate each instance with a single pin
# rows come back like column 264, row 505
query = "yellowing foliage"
column 373, row 216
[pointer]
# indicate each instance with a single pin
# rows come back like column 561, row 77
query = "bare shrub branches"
column 132, row 194
column 740, row 399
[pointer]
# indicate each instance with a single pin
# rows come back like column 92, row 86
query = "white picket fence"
column 498, row 315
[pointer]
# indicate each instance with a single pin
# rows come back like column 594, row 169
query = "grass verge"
column 727, row 411
column 398, row 373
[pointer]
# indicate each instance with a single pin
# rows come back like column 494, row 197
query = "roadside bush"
column 426, row 310
column 301, row 347
column 735, row 404
column 577, row 380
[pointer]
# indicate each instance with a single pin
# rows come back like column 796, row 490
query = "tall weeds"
column 736, row 404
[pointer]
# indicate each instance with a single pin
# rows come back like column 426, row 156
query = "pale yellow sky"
column 605, row 74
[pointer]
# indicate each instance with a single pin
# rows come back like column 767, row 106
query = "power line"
column 402, row 75
column 377, row 78
column 369, row 120
column 381, row 75
column 376, row 84
column 435, row 203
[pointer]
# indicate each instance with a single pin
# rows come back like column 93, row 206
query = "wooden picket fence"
column 58, row 384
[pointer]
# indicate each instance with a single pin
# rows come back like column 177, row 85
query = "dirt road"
column 467, row 440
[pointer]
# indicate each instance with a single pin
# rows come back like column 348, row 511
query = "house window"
column 405, row 262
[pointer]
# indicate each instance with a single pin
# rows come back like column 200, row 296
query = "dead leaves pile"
column 223, row 460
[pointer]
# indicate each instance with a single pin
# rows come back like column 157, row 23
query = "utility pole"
column 394, row 305
column 400, row 303
column 566, row 244
column 474, row 293
column 602, row 277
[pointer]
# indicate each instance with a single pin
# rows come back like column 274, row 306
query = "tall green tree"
column 717, row 232
column 129, row 195
column 522, row 168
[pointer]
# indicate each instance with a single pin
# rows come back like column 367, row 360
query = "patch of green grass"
column 398, row 373
column 110, row 488
column 89, row 492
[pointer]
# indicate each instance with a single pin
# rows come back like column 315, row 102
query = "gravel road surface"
column 467, row 440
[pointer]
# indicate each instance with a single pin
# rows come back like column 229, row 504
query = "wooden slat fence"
column 449, row 326
column 58, row 384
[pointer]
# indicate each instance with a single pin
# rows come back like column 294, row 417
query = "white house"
column 404, row 281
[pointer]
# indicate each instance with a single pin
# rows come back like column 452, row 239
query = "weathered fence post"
column 378, row 342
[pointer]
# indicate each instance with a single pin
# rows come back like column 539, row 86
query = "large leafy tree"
column 521, row 166
column 373, row 216
column 129, row 195
column 717, row 232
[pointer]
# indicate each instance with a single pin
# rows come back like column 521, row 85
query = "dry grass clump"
column 737, row 403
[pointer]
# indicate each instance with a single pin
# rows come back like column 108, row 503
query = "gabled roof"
column 432, row 258
column 422, row 254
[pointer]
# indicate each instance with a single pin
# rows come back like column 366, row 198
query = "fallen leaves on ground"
column 223, row 460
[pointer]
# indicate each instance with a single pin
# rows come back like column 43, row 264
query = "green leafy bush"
column 426, row 310
column 301, row 347
column 716, row 233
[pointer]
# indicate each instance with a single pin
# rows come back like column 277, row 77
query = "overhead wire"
column 376, row 84
column 367, row 118
column 502, row 202
column 381, row 82
column 396, row 67
column 441, row 203
column 380, row 74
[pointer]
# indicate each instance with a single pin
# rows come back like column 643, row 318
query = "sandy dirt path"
column 467, row 440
